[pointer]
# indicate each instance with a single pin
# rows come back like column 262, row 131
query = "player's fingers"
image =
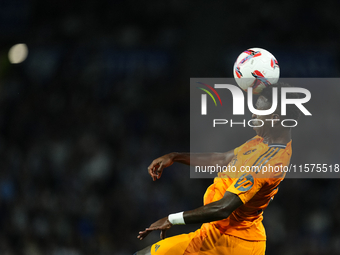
column 150, row 169
column 153, row 228
column 151, row 173
column 159, row 174
column 143, row 234
column 160, row 170
column 153, row 163
column 154, row 173
column 152, row 166
column 163, row 234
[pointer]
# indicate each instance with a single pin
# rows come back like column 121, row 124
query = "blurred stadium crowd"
column 104, row 91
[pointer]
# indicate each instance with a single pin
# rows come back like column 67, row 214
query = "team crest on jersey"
column 248, row 152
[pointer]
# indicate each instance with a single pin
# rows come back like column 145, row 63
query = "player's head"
column 272, row 122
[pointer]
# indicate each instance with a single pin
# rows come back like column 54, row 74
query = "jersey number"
column 245, row 182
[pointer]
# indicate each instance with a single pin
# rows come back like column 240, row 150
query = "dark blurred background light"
column 18, row 53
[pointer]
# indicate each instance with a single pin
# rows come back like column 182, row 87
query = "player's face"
column 262, row 103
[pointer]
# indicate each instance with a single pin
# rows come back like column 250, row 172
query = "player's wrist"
column 176, row 218
column 173, row 156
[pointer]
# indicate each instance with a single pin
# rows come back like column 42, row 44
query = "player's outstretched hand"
column 162, row 224
column 157, row 166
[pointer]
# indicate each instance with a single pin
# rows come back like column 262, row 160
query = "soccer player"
column 233, row 205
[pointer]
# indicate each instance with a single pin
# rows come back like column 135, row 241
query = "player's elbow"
column 220, row 210
column 229, row 203
column 224, row 211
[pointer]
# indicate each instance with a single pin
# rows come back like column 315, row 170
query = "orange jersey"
column 255, row 188
column 207, row 241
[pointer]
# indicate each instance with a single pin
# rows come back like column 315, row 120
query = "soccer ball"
column 256, row 68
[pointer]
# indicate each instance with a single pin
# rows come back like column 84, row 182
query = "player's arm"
column 195, row 159
column 214, row 211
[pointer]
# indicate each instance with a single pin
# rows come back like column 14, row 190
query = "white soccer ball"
column 256, row 68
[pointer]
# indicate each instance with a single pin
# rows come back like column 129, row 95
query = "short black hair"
column 292, row 112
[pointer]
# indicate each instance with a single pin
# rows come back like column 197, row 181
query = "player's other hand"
column 156, row 167
column 162, row 224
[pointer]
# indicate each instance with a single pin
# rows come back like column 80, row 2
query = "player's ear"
column 276, row 117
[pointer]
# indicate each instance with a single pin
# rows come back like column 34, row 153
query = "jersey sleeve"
column 246, row 186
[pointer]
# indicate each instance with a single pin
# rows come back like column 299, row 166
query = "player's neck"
column 279, row 136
